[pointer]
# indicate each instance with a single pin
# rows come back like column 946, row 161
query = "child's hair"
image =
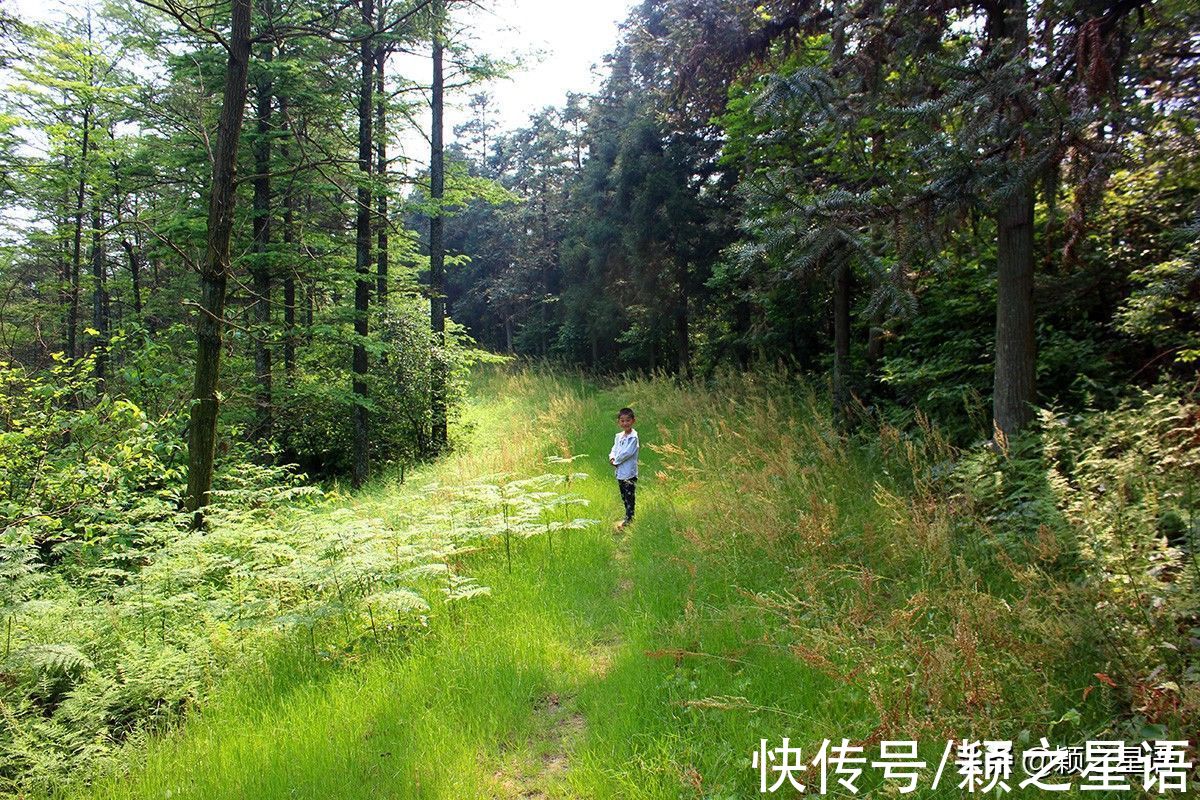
column 626, row 412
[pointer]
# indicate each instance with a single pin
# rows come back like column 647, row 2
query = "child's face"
column 626, row 422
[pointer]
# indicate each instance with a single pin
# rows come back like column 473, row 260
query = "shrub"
column 116, row 616
column 1113, row 494
column 315, row 412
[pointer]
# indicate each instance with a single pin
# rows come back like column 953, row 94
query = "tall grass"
column 789, row 581
column 291, row 700
column 780, row 579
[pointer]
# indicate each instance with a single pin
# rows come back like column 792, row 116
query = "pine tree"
column 437, row 247
column 214, row 275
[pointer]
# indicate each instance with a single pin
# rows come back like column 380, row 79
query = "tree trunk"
column 289, row 311
column 682, row 344
column 437, row 301
column 1016, row 348
column 99, row 343
column 544, row 219
column 381, row 166
column 202, row 438
column 743, row 320
column 72, row 322
column 841, row 280
column 261, row 310
column 875, row 329
column 155, row 283
column 875, row 342
column 135, row 274
column 1013, row 392
column 64, row 258
column 289, row 279
column 841, row 339
column 310, row 300
column 310, row 303
column 362, row 261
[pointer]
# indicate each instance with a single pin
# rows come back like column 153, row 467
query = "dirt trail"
column 535, row 769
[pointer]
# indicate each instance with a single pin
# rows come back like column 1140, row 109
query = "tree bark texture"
column 214, row 274
column 1013, row 390
column 1016, row 347
column 362, row 260
column 437, row 300
column 264, row 421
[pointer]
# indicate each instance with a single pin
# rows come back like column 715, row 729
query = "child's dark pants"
column 628, row 486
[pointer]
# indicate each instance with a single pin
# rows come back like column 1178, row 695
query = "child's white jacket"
column 625, row 453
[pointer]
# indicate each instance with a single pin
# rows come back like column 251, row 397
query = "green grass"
column 777, row 582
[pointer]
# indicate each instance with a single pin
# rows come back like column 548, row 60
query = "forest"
column 303, row 487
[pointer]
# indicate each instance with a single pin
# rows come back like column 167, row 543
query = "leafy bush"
column 80, row 474
column 1162, row 309
column 1126, row 480
column 316, row 411
column 1111, row 497
column 116, row 616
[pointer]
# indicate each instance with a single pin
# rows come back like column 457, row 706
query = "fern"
column 41, row 661
column 400, row 601
column 148, row 612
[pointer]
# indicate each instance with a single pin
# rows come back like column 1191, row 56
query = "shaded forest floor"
column 779, row 581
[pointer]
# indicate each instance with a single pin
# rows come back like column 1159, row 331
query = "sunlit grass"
column 779, row 581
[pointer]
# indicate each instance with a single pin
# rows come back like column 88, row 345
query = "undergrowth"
column 864, row 558
column 115, row 619
column 1108, row 500
column 782, row 578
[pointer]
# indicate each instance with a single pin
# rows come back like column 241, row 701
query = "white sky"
column 573, row 35
column 562, row 41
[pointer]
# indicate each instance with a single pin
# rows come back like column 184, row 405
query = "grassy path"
column 494, row 701
column 638, row 665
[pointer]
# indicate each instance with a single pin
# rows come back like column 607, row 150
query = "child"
column 623, row 457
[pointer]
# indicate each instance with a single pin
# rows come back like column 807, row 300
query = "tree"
column 214, row 273
column 261, row 267
column 437, row 247
column 911, row 78
column 382, row 50
column 362, row 284
column 67, row 96
column 1013, row 394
